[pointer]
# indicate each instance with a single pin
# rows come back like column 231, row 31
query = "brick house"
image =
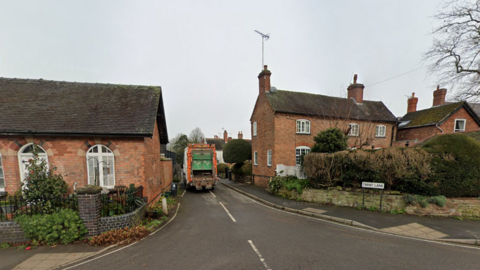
column 93, row 133
column 220, row 144
column 441, row 118
column 284, row 124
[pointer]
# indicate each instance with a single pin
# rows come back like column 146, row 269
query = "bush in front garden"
column 64, row 226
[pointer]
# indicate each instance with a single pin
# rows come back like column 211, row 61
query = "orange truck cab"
column 200, row 166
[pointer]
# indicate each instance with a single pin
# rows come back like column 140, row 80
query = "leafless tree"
column 454, row 55
column 196, row 136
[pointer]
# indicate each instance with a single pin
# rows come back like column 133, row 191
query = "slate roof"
column 433, row 116
column 219, row 143
column 327, row 106
column 71, row 108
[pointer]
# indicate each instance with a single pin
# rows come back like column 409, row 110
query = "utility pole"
column 264, row 37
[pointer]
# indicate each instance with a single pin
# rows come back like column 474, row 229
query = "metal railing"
column 121, row 201
column 13, row 206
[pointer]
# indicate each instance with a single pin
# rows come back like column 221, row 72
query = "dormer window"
column 460, row 125
column 303, row 126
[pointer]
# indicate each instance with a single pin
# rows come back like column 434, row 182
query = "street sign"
column 373, row 185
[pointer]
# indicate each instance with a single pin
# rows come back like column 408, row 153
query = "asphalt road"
column 204, row 236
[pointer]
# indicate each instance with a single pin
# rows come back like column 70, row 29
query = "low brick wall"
column 119, row 222
column 464, row 207
column 11, row 231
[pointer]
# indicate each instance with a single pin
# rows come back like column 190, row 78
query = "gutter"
column 83, row 134
column 436, row 125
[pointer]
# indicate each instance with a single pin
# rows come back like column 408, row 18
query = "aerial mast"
column 264, row 37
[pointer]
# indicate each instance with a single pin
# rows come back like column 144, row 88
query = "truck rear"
column 200, row 166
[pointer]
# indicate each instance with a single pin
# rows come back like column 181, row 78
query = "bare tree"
column 196, row 136
column 454, row 55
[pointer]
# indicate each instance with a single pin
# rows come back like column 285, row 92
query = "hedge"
column 446, row 165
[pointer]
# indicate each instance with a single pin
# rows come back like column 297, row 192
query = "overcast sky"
column 206, row 56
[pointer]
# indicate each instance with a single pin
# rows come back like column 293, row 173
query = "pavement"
column 44, row 257
column 431, row 228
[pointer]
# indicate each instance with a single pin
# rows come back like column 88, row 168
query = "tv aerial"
column 264, row 37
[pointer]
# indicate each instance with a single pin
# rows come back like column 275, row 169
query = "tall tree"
column 179, row 147
column 454, row 55
column 196, row 136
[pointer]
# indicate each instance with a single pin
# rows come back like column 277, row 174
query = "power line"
column 397, row 76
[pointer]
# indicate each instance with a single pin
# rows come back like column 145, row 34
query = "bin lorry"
column 200, row 166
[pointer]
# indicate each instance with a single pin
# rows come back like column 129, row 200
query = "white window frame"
column 379, row 134
column 2, row 175
column 269, row 158
column 298, row 153
column 464, row 125
column 255, row 158
column 303, row 126
column 254, row 129
column 354, row 132
column 98, row 159
column 23, row 159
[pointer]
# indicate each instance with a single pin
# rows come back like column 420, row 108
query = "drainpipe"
column 393, row 131
column 74, row 186
column 439, row 128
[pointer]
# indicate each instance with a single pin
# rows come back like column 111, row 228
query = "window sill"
column 380, row 136
column 303, row 133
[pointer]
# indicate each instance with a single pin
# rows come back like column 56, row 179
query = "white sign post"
column 374, row 186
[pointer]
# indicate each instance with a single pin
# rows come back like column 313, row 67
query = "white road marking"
column 259, row 255
column 183, row 193
column 226, row 210
column 212, row 194
column 73, row 266
column 362, row 229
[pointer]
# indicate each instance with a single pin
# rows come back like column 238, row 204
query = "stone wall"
column 120, row 222
column 462, row 207
column 11, row 231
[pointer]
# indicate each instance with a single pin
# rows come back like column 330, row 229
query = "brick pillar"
column 89, row 206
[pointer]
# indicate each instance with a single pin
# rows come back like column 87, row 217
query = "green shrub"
column 241, row 170
column 64, row 226
column 237, row 151
column 438, row 200
column 42, row 186
column 289, row 182
column 330, row 141
column 221, row 168
column 456, row 165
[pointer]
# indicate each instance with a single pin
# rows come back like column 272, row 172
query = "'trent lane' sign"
column 373, row 185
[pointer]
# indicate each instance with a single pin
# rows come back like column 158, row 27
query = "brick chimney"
column 225, row 136
column 355, row 90
column 439, row 96
column 412, row 103
column 264, row 80
column 240, row 135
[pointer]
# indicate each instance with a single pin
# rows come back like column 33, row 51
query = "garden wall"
column 10, row 231
column 463, row 207
column 120, row 222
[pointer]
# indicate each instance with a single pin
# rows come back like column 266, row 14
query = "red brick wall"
column 264, row 141
column 68, row 154
column 152, row 165
column 277, row 132
column 422, row 133
column 167, row 169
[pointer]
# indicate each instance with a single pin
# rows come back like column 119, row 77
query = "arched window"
column 101, row 166
column 26, row 153
column 301, row 151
